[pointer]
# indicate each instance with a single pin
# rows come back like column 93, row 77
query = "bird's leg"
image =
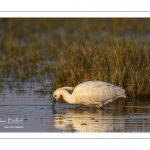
column 92, row 108
column 76, row 107
column 102, row 106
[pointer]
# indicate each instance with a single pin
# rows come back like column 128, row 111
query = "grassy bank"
column 70, row 51
column 124, row 63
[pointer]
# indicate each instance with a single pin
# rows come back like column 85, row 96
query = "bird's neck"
column 68, row 97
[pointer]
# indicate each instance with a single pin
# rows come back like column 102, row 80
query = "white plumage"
column 90, row 93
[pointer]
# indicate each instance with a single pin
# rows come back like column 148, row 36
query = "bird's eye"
column 54, row 95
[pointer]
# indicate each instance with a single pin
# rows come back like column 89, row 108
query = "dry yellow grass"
column 124, row 63
column 70, row 51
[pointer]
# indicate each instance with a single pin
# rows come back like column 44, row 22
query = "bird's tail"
column 120, row 92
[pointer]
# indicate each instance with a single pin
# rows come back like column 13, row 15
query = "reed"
column 124, row 63
column 69, row 51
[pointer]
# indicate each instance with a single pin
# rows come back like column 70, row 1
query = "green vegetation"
column 70, row 51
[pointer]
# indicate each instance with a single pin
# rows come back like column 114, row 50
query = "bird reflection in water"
column 85, row 120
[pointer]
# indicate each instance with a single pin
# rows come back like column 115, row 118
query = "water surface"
column 29, row 110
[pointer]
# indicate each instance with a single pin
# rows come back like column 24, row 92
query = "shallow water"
column 28, row 110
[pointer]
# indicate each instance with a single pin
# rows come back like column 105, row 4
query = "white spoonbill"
column 89, row 93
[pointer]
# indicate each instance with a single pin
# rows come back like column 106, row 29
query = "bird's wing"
column 98, row 92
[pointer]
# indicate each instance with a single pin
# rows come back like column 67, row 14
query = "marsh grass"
column 125, row 63
column 70, row 51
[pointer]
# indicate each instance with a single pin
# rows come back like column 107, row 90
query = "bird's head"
column 57, row 95
column 61, row 93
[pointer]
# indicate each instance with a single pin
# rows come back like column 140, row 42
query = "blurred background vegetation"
column 69, row 51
